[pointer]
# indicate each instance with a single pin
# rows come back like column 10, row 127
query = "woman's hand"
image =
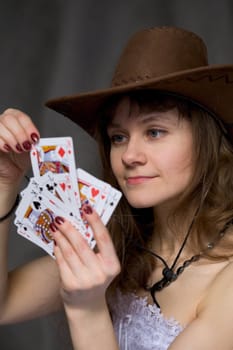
column 85, row 274
column 17, row 134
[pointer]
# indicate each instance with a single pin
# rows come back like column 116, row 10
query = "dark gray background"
column 50, row 48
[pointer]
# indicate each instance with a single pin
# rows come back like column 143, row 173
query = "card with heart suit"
column 48, row 186
column 57, row 156
column 93, row 190
column 51, row 192
column 35, row 214
column 57, row 184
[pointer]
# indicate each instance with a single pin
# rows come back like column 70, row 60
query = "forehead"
column 127, row 108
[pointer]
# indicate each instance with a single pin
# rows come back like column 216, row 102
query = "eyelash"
column 115, row 138
column 158, row 131
column 119, row 138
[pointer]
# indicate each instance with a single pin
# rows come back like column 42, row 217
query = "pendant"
column 169, row 274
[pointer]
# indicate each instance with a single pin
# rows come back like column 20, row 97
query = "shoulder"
column 218, row 295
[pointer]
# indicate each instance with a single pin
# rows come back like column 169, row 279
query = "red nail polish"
column 27, row 145
column 53, row 227
column 7, row 147
column 87, row 209
column 59, row 220
column 19, row 148
column 34, row 137
column 55, row 243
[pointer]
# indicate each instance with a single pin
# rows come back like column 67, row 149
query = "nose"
column 134, row 153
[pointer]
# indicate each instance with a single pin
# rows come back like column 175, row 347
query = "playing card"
column 111, row 203
column 36, row 213
column 58, row 189
column 26, row 232
column 59, row 186
column 56, row 155
column 92, row 190
column 33, row 220
column 97, row 193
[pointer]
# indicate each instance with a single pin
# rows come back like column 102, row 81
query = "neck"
column 170, row 231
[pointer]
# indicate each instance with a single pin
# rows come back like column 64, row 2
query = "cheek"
column 115, row 162
column 181, row 151
column 179, row 162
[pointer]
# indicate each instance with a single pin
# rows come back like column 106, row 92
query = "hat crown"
column 157, row 52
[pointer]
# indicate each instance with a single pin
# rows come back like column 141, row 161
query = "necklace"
column 169, row 275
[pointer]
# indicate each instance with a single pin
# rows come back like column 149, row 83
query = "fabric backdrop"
column 58, row 47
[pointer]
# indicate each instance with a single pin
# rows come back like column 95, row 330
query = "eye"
column 117, row 139
column 155, row 133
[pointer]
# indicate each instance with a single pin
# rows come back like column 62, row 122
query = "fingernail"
column 53, row 227
column 19, row 148
column 87, row 209
column 7, row 147
column 55, row 243
column 59, row 220
column 27, row 145
column 34, row 137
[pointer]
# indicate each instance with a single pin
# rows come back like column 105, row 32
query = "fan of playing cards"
column 59, row 189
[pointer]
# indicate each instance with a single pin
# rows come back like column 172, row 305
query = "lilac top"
column 141, row 326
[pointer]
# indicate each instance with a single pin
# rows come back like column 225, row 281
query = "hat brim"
column 210, row 86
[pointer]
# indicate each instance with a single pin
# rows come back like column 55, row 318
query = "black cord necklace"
column 168, row 272
column 169, row 275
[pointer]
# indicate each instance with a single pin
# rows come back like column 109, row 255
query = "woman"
column 164, row 278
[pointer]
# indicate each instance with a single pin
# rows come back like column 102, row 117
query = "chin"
column 140, row 204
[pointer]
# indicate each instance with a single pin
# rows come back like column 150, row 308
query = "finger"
column 10, row 139
column 70, row 266
column 69, row 281
column 82, row 276
column 66, row 274
column 73, row 243
column 29, row 127
column 15, row 133
column 101, row 234
column 21, row 126
column 7, row 140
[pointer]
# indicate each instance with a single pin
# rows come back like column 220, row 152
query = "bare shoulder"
column 212, row 326
column 220, row 291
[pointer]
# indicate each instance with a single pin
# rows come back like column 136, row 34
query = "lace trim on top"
column 141, row 326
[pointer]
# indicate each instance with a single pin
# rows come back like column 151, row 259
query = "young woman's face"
column 151, row 154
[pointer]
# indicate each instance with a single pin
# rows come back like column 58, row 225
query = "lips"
column 135, row 180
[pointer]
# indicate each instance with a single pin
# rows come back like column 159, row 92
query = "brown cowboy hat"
column 162, row 58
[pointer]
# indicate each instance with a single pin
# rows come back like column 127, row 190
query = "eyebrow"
column 154, row 117
column 151, row 117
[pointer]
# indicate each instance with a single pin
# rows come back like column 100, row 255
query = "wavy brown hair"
column 210, row 191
